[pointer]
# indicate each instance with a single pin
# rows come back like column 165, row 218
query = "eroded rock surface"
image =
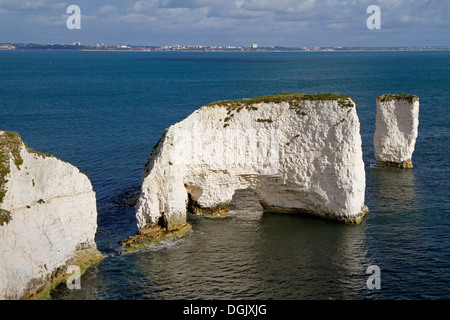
column 397, row 121
column 297, row 153
column 48, row 219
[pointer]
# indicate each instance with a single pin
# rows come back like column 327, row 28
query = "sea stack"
column 397, row 121
column 48, row 220
column 295, row 152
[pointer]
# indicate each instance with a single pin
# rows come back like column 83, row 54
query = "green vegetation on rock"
column 402, row 96
column 405, row 164
column 10, row 145
column 84, row 258
column 5, row 217
column 264, row 120
column 291, row 98
column 152, row 236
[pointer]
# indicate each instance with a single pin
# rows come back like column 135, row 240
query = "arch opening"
column 245, row 200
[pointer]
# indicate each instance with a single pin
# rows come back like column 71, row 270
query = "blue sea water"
column 104, row 111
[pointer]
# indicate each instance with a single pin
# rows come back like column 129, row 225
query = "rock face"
column 295, row 152
column 48, row 219
column 397, row 122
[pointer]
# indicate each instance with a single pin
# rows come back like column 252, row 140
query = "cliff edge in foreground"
column 397, row 121
column 296, row 152
column 48, row 220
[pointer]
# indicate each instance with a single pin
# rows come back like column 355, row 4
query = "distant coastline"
column 197, row 48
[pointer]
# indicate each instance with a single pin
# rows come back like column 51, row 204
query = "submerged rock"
column 296, row 152
column 397, row 122
column 48, row 219
column 152, row 236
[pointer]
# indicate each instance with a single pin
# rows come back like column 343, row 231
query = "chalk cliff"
column 296, row 152
column 48, row 219
column 397, row 121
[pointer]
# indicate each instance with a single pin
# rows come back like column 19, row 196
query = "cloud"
column 285, row 6
column 107, row 10
column 280, row 22
column 143, row 6
column 389, row 4
column 407, row 18
column 21, row 5
column 137, row 18
column 337, row 25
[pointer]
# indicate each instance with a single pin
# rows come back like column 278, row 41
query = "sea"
column 104, row 111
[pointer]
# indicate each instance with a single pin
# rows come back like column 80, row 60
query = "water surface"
column 104, row 111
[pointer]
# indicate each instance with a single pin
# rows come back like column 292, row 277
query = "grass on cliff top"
column 10, row 143
column 10, row 146
column 402, row 96
column 282, row 97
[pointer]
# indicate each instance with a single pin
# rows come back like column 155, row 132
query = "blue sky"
column 228, row 22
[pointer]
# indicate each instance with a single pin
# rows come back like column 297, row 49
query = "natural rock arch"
column 299, row 153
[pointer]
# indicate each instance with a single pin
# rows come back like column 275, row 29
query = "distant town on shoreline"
column 199, row 48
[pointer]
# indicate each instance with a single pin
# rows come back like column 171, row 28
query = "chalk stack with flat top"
column 397, row 122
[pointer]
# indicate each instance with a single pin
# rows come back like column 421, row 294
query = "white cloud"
column 59, row 20
column 337, row 25
column 406, row 18
column 143, row 6
column 286, row 6
column 228, row 20
column 137, row 18
column 31, row 5
column 107, row 10
column 239, row 3
column 389, row 4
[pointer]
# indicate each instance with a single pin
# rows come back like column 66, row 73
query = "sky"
column 288, row 23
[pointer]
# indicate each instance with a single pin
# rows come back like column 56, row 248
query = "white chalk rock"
column 295, row 152
column 397, row 121
column 48, row 218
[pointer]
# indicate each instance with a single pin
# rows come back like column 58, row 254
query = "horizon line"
column 251, row 46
